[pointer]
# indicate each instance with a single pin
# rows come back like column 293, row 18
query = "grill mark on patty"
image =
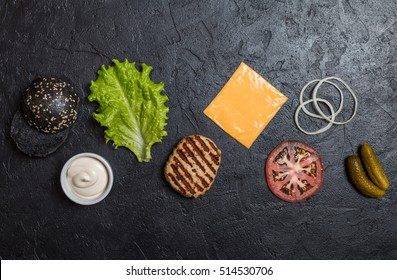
column 176, row 182
column 215, row 158
column 214, row 148
column 198, row 187
column 209, row 176
column 182, row 167
column 203, row 181
column 182, row 179
column 186, row 159
column 196, row 160
column 189, row 175
column 200, row 153
column 192, row 167
column 191, row 154
column 198, row 138
column 183, row 157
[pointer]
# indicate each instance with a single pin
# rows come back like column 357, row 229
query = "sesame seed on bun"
column 48, row 110
column 50, row 105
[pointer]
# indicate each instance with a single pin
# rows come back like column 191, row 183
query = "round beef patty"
column 193, row 165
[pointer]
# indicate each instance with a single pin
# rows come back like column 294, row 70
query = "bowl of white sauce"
column 86, row 178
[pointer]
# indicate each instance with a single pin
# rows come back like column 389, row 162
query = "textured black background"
column 194, row 47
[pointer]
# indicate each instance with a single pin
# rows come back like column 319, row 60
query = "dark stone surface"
column 194, row 46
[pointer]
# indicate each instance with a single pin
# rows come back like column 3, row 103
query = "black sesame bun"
column 49, row 105
column 48, row 109
column 32, row 142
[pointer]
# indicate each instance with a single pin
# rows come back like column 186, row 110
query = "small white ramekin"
column 67, row 189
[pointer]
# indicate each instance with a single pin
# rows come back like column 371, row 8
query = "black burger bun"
column 48, row 109
column 50, row 105
column 33, row 142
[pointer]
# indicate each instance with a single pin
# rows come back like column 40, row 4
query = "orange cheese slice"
column 245, row 105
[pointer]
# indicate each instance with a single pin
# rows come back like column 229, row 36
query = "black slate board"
column 194, row 47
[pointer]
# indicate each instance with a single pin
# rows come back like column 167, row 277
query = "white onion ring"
column 347, row 87
column 321, row 130
column 331, row 118
column 307, row 112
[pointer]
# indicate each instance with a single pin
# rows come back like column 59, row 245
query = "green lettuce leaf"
column 131, row 106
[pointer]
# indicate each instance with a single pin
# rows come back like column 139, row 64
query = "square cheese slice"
column 245, row 105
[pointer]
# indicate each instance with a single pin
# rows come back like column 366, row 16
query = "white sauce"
column 87, row 177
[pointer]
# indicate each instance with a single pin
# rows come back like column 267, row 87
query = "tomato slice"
column 294, row 171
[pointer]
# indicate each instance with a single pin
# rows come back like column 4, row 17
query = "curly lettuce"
column 131, row 107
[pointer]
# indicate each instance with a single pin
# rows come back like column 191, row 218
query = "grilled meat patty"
column 192, row 167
